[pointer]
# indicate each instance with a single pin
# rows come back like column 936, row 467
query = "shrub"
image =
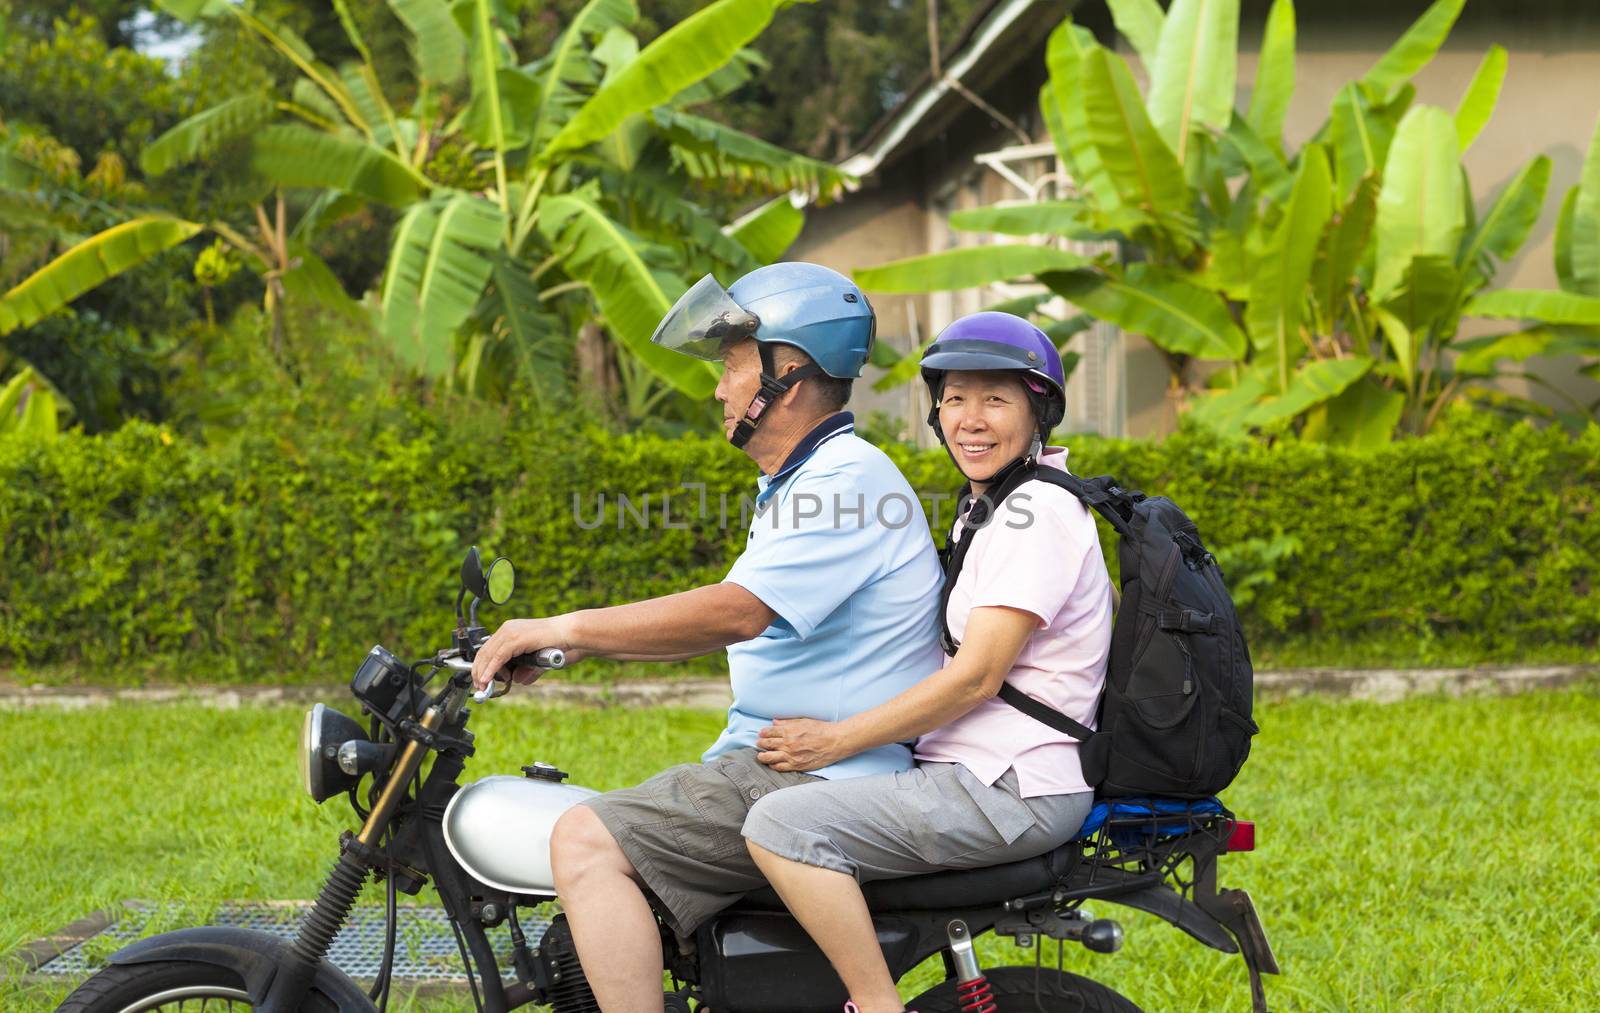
column 285, row 553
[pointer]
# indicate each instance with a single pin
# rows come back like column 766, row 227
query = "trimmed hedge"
column 284, row 557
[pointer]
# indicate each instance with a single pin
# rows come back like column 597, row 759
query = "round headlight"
column 324, row 731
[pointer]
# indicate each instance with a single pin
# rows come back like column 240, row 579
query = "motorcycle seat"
column 1131, row 820
column 949, row 887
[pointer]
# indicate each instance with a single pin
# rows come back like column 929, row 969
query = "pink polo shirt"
column 1040, row 554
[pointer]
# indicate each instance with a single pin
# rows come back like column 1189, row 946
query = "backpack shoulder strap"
column 1102, row 495
column 1042, row 712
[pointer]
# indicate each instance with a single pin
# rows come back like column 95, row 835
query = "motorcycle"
column 485, row 845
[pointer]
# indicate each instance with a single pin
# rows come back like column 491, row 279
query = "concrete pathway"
column 712, row 694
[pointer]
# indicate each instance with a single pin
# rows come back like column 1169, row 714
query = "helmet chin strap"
column 772, row 388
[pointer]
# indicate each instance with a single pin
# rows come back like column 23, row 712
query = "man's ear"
column 793, row 393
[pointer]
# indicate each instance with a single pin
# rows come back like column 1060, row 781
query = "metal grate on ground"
column 425, row 949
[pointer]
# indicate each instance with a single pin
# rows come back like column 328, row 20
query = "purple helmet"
column 995, row 340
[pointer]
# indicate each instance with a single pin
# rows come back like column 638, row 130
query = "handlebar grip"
column 545, row 657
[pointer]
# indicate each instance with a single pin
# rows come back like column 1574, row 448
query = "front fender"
column 254, row 955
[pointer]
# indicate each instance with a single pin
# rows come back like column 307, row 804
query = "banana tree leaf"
column 1062, row 331
column 1479, row 355
column 1225, row 410
column 1191, row 83
column 710, row 150
column 1269, row 102
column 1420, row 204
column 907, row 368
column 11, row 395
column 1477, row 105
column 770, row 230
column 1361, row 133
column 189, row 11
column 1023, row 305
column 38, row 422
column 1537, row 304
column 285, row 41
column 101, row 256
column 1138, row 162
column 655, row 202
column 439, row 49
column 439, row 262
column 205, row 132
column 1364, row 417
column 510, row 125
column 725, row 80
column 966, row 267
column 541, row 345
column 1055, row 217
column 1267, row 169
column 1311, row 385
column 617, row 49
column 1563, row 241
column 296, row 156
column 1174, row 314
column 312, row 282
column 1509, row 220
column 1427, row 292
column 1340, row 252
column 687, row 52
column 312, row 103
column 1062, row 102
column 569, row 74
column 1402, row 344
column 1584, row 248
column 1140, row 23
column 1278, row 293
column 1417, row 47
column 362, row 85
column 884, row 355
column 631, row 295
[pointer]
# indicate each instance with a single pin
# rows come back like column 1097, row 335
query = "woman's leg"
column 830, row 907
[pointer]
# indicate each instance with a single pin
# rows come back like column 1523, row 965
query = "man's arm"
column 670, row 628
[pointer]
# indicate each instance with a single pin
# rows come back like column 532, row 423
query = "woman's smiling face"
column 987, row 420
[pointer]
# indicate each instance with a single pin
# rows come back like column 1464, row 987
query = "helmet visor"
column 704, row 322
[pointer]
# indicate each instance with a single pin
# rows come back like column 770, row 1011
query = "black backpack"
column 1174, row 719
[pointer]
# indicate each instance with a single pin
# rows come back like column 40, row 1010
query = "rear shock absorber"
column 972, row 988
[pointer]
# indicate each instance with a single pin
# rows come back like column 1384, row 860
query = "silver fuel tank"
column 499, row 830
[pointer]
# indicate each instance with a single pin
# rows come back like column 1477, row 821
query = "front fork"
column 349, row 874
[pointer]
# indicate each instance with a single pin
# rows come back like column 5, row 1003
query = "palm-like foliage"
column 1333, row 279
column 536, row 196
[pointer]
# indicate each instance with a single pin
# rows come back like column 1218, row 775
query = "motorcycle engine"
column 565, row 987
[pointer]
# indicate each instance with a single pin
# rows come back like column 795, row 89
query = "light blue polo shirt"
column 840, row 550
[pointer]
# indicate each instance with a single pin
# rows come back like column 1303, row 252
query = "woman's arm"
column 994, row 637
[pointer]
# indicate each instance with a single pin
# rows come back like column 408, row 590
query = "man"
column 830, row 610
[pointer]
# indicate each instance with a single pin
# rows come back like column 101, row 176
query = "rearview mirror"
column 501, row 581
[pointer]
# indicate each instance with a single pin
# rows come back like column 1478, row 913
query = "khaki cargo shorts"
column 681, row 831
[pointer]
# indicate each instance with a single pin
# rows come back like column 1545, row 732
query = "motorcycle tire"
column 1030, row 990
column 168, row 985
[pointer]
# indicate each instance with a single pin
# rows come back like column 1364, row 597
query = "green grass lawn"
column 1434, row 854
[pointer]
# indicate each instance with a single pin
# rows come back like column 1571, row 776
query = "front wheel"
column 1030, row 990
column 168, row 986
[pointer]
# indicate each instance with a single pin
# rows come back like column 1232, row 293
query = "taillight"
column 1243, row 837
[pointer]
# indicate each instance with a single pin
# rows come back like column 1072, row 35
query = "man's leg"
column 612, row 924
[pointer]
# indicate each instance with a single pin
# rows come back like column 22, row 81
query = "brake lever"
column 546, row 658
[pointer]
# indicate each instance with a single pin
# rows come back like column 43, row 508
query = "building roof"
column 999, row 35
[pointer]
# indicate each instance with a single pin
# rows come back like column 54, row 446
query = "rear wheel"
column 167, row 986
column 1031, row 990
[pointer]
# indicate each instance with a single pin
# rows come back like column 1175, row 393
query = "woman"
column 1031, row 606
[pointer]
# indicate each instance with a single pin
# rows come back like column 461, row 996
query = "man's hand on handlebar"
column 517, row 637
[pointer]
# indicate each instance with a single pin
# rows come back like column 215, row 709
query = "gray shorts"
column 932, row 817
column 680, row 829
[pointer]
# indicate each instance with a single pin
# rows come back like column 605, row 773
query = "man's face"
column 741, row 378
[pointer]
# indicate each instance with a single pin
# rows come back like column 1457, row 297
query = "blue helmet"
column 813, row 308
